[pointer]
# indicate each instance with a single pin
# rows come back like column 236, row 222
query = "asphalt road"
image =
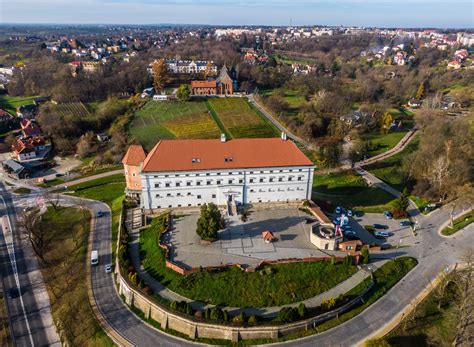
column 106, row 296
column 24, row 312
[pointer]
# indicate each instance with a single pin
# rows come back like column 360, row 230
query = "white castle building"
column 182, row 173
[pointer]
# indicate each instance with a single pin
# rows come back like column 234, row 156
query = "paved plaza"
column 242, row 243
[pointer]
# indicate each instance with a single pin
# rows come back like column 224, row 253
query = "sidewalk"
column 269, row 312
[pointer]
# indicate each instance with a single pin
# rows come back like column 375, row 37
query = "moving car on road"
column 13, row 293
column 94, row 257
column 108, row 268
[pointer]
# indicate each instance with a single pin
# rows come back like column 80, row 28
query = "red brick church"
column 223, row 85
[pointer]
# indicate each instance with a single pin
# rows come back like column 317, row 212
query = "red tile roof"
column 135, row 155
column 27, row 145
column 190, row 155
column 268, row 235
column 203, row 84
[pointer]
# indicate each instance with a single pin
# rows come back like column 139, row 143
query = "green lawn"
column 287, row 283
column 51, row 183
column 381, row 143
column 241, row 119
column 351, row 191
column 459, row 223
column 65, row 254
column 294, row 99
column 170, row 120
column 390, row 170
column 22, row 191
column 10, row 103
column 108, row 189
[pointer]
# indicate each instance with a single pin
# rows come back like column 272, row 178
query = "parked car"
column 309, row 220
column 405, row 223
column 381, row 234
column 380, row 226
column 13, row 293
column 350, row 213
column 388, row 214
column 338, row 210
column 349, row 232
column 108, row 268
column 352, row 237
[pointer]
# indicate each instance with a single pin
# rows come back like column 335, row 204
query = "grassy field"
column 278, row 285
column 240, row 119
column 169, row 120
column 294, row 99
column 10, row 103
column 390, row 170
column 108, row 189
column 65, row 276
column 22, row 191
column 383, row 142
column 351, row 191
column 459, row 223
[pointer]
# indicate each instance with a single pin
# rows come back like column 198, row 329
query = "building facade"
column 184, row 173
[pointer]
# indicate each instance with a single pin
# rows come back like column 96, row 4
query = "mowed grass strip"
column 10, row 103
column 274, row 285
column 241, row 119
column 170, row 120
column 351, row 191
column 64, row 273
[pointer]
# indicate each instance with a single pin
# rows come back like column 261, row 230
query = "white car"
column 108, row 268
column 349, row 232
column 381, row 234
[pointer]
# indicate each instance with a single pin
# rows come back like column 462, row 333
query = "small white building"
column 183, row 173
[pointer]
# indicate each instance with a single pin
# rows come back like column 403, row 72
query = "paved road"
column 30, row 314
column 276, row 123
column 108, row 301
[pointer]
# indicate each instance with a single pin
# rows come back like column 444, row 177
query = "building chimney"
column 284, row 137
column 223, row 139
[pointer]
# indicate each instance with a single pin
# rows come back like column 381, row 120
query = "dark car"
column 100, row 214
column 380, row 226
column 13, row 293
column 352, row 237
column 309, row 220
column 405, row 223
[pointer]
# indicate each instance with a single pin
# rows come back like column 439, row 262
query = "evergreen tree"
column 183, row 93
column 209, row 222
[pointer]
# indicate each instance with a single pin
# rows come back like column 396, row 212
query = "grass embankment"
column 274, row 285
column 64, row 273
column 10, row 103
column 390, row 170
column 22, row 191
column 381, row 143
column 351, row 191
column 90, row 168
column 51, row 183
column 459, row 223
column 108, row 189
column 5, row 338
column 432, row 322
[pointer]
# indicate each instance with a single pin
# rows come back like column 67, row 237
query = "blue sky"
column 388, row 13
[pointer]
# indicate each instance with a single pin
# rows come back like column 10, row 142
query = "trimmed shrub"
column 252, row 320
column 328, row 304
column 301, row 310
column 225, row 316
column 287, row 315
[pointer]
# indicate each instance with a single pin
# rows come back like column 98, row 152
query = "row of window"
column 270, row 190
column 227, row 173
column 250, row 201
column 230, row 181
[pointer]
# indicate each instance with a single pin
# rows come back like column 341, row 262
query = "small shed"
column 268, row 236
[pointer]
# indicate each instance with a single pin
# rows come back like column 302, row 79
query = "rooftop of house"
column 191, row 155
column 204, row 84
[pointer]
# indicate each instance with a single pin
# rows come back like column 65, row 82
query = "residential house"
column 27, row 111
column 5, row 117
column 15, row 169
column 29, row 148
column 30, row 128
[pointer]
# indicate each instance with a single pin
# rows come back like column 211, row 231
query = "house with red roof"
column 182, row 173
column 30, row 128
column 29, row 148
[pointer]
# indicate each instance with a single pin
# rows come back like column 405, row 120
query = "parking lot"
column 242, row 243
column 398, row 235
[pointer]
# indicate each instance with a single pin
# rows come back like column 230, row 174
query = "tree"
column 183, row 92
column 208, row 70
column 85, row 145
column 365, row 255
column 401, row 204
column 159, row 75
column 385, row 122
column 30, row 223
column 287, row 315
column 209, row 222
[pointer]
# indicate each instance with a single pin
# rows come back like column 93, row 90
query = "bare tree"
column 30, row 223
column 52, row 199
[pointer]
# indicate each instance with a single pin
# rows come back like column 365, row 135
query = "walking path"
column 268, row 312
